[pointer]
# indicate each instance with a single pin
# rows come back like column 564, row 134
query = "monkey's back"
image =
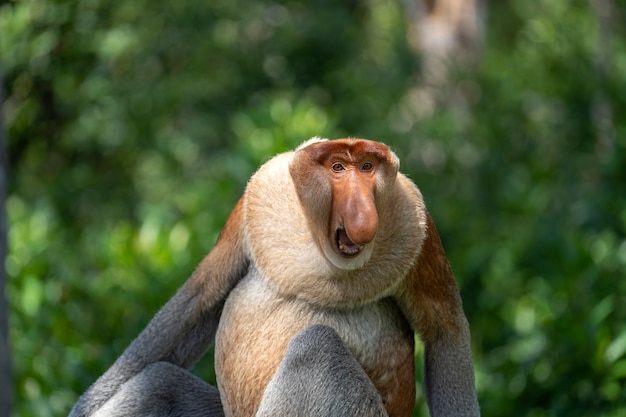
column 257, row 324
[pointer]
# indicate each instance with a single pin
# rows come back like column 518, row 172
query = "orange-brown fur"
column 228, row 251
column 430, row 284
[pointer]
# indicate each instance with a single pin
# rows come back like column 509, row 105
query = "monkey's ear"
column 429, row 296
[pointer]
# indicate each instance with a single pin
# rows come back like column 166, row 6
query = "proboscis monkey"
column 325, row 269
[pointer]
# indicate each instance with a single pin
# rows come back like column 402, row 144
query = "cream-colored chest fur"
column 256, row 327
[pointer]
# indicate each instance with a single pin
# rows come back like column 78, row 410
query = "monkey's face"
column 333, row 222
column 346, row 185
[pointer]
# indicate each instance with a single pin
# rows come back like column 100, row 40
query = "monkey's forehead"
column 350, row 149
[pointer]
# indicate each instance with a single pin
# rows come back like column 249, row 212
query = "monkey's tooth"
column 349, row 251
column 345, row 245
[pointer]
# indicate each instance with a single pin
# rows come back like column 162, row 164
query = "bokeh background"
column 132, row 126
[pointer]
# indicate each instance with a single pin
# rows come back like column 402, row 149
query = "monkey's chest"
column 257, row 325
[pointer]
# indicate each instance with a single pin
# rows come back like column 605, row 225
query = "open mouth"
column 346, row 247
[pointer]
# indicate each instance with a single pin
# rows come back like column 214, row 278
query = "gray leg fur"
column 320, row 377
column 163, row 389
column 317, row 377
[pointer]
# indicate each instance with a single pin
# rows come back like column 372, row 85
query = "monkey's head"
column 344, row 186
column 333, row 222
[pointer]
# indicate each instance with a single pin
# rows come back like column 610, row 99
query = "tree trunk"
column 602, row 112
column 443, row 32
column 6, row 391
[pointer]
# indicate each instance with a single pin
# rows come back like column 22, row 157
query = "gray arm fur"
column 449, row 378
column 172, row 336
column 185, row 326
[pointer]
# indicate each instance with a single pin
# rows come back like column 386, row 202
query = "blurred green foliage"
column 134, row 126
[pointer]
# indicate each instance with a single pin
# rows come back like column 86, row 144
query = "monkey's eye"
column 368, row 166
column 337, row 167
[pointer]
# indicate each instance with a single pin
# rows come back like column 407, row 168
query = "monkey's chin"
column 351, row 262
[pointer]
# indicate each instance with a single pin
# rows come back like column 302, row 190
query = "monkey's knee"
column 318, row 343
column 164, row 389
column 319, row 376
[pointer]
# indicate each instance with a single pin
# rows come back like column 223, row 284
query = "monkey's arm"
column 185, row 326
column 431, row 302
